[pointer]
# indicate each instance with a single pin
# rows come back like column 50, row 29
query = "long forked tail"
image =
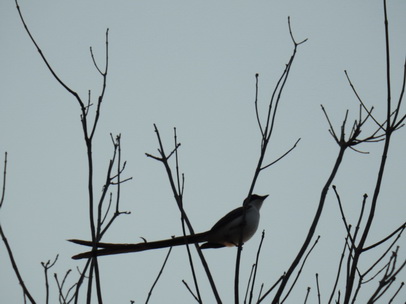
column 111, row 248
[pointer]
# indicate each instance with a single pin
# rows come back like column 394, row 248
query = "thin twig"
column 89, row 104
column 191, row 292
column 180, row 192
column 104, row 84
column 105, row 190
column 313, row 226
column 388, row 132
column 88, row 141
column 397, row 292
column 67, row 88
column 46, row 267
column 271, row 288
column 164, row 159
column 361, row 215
column 80, row 281
column 260, row 292
column 385, row 252
column 3, row 191
column 347, row 228
column 300, row 270
column 401, row 95
column 383, row 268
column 283, row 155
column 388, row 66
column 266, row 133
column 248, row 283
column 94, row 61
column 400, row 230
column 256, row 106
column 256, row 266
column 106, row 213
column 159, row 275
column 62, row 297
column 338, row 271
column 115, row 160
column 15, row 267
column 361, row 102
column 318, row 288
column 307, row 295
column 26, row 293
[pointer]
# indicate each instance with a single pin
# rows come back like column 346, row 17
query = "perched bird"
column 242, row 221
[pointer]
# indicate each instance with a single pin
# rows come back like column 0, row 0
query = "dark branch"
column 159, row 275
column 279, row 158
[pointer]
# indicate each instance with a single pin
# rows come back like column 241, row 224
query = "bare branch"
column 388, row 132
column 307, row 295
column 291, row 35
column 300, row 270
column 270, row 289
column 312, row 229
column 191, row 292
column 388, row 66
column 397, row 292
column 331, row 129
column 107, row 210
column 338, row 272
column 377, row 261
column 67, row 88
column 358, row 151
column 279, row 158
column 3, row 191
column 89, row 104
column 63, row 297
column 7, row 245
column 266, row 133
column 249, row 283
column 80, row 281
column 347, row 227
column 88, row 141
column 94, row 61
column 388, row 278
column 362, row 103
column 48, row 265
column 318, row 288
column 256, row 106
column 178, row 197
column 101, row 96
column 361, row 215
column 260, row 292
column 180, row 190
column 159, row 275
column 394, row 123
column 398, row 230
column 256, row 266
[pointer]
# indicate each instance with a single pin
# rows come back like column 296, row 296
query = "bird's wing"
column 228, row 218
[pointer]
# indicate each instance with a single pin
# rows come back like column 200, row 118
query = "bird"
column 238, row 225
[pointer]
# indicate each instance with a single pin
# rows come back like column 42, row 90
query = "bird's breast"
column 251, row 223
column 230, row 233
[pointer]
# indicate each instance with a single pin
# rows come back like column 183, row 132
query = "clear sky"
column 191, row 65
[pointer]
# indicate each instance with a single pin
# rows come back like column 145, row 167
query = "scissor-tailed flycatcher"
column 226, row 232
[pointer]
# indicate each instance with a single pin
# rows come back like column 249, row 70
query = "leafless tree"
column 104, row 208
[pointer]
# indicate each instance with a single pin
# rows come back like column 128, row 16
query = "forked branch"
column 177, row 192
column 266, row 130
column 7, row 245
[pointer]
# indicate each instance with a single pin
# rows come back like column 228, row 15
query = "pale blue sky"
column 191, row 65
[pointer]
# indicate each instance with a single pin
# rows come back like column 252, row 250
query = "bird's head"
column 255, row 200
